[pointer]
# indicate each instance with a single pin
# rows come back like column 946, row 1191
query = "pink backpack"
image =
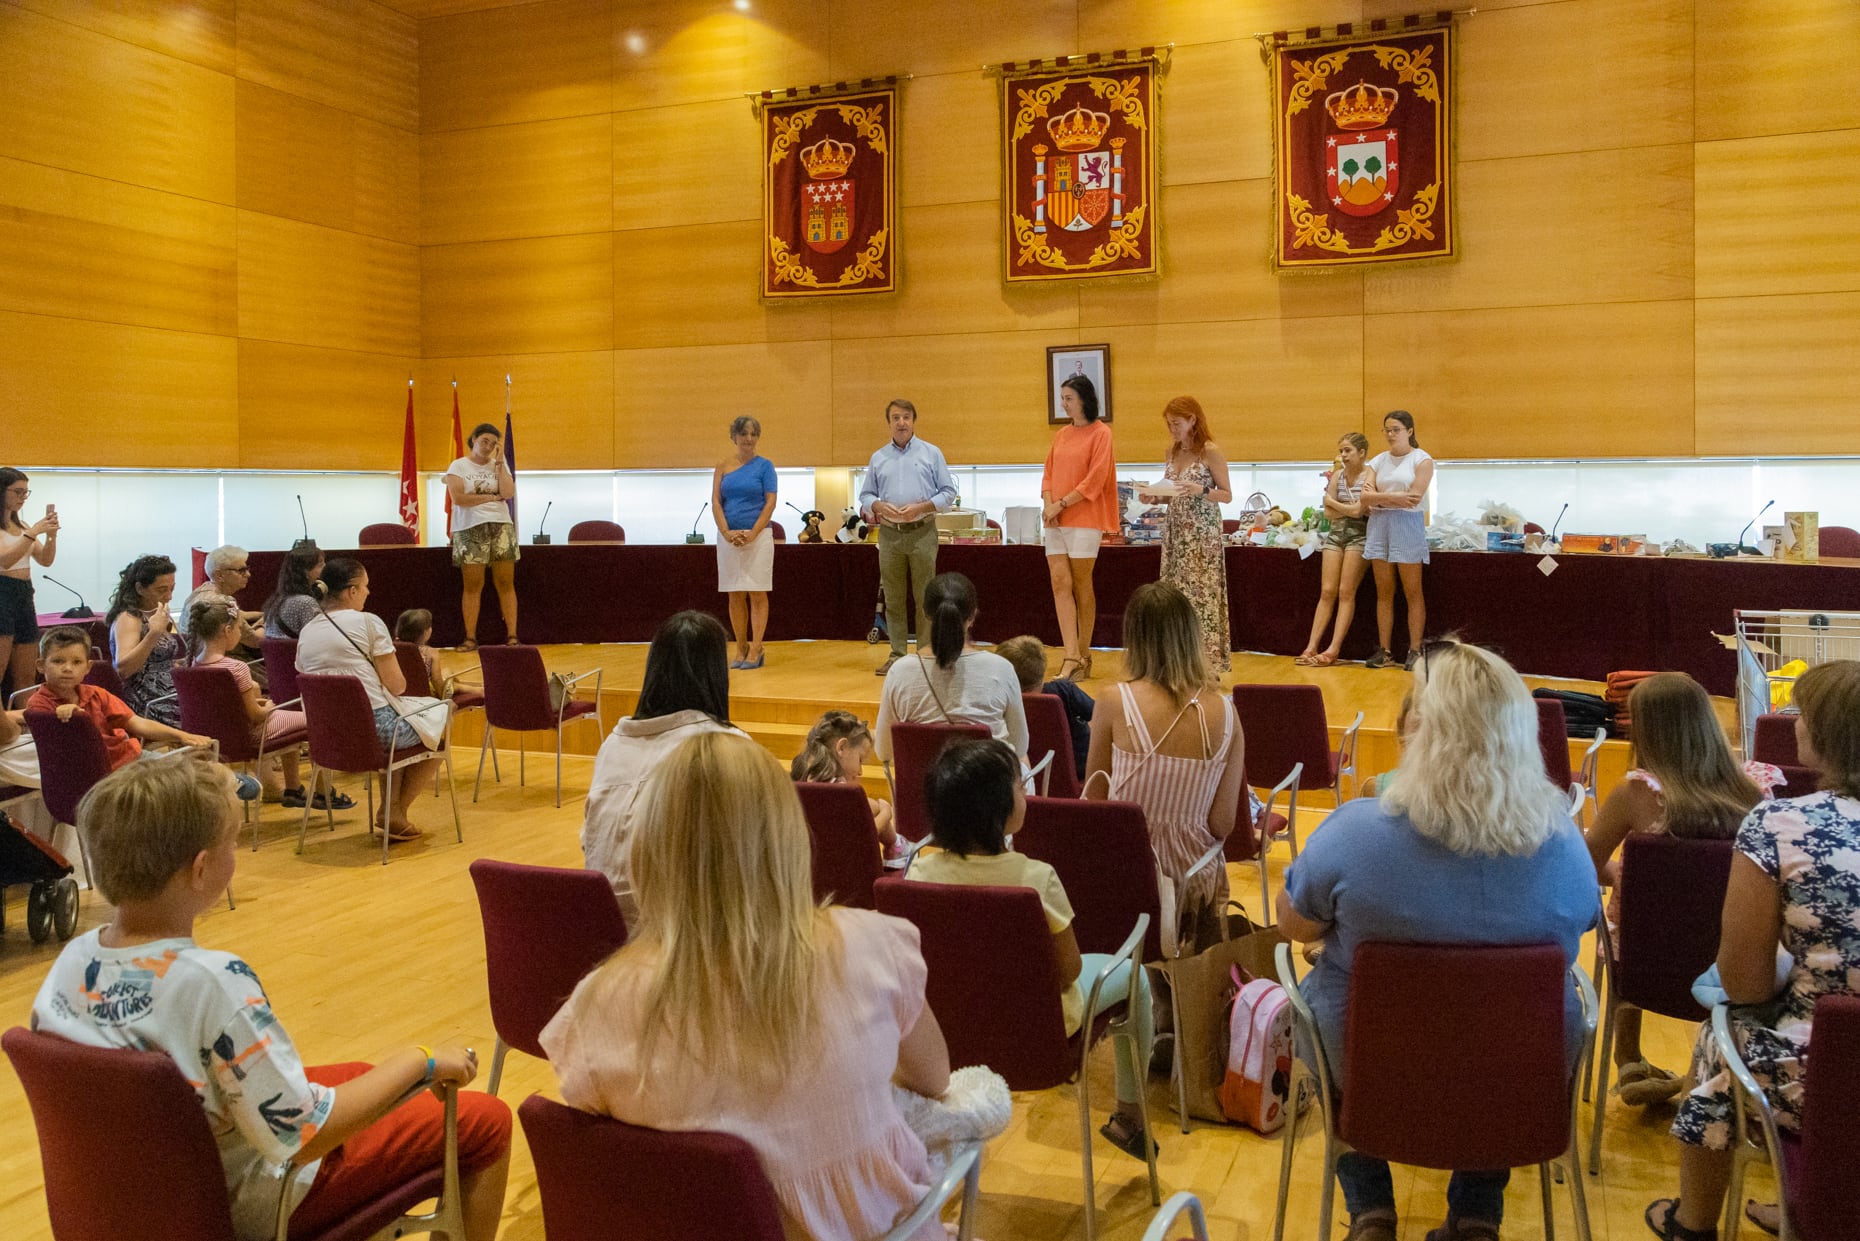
column 1259, row 1055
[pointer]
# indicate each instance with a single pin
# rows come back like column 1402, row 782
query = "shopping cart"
column 1774, row 648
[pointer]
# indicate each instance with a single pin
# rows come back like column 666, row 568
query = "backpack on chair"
column 1259, row 1055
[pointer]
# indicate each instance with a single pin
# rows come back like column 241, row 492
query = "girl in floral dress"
column 1193, row 555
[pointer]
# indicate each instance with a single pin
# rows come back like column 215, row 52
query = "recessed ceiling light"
column 635, row 42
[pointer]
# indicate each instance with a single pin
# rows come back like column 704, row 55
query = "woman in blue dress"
column 742, row 498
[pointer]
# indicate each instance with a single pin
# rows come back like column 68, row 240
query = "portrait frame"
column 1065, row 361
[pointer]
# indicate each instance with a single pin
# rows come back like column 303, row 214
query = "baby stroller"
column 52, row 901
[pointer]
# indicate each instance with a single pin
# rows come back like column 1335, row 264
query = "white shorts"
column 1077, row 542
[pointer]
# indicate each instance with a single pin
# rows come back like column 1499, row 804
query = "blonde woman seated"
column 1166, row 738
column 743, row 1007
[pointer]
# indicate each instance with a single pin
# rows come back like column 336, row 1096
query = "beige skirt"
column 746, row 568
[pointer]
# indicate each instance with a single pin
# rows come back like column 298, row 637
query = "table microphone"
column 81, row 611
column 1719, row 551
column 1551, row 538
column 306, row 541
column 541, row 539
column 694, row 536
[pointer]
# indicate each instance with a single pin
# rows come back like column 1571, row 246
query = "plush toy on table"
column 810, row 526
column 852, row 527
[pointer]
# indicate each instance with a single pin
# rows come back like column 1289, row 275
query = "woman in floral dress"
column 1795, row 883
column 1193, row 555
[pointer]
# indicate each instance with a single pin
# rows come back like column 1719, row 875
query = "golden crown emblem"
column 1361, row 106
column 1078, row 130
column 827, row 159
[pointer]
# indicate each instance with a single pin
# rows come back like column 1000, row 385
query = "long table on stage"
column 1592, row 616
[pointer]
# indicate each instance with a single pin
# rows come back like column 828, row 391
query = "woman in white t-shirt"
column 1393, row 494
column 483, row 532
column 343, row 640
column 961, row 685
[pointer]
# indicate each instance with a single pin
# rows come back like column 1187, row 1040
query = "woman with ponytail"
column 961, row 685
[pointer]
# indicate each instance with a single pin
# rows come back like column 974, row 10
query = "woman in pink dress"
column 742, row 1007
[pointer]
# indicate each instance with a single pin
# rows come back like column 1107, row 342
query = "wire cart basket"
column 1774, row 648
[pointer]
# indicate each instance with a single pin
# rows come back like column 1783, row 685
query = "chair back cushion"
column 844, row 840
column 386, row 534
column 1453, row 1056
column 280, row 668
column 1101, row 852
column 212, row 706
column 123, row 1142
column 602, row 1179
column 1049, row 730
column 1553, row 740
column 1839, row 541
column 914, row 748
column 1824, row 1201
column 1797, row 782
column 544, row 928
column 1672, row 899
column 1284, row 725
column 341, row 723
column 413, row 667
column 516, row 688
column 596, row 532
column 71, row 759
column 994, row 979
column 1774, row 740
column 103, row 675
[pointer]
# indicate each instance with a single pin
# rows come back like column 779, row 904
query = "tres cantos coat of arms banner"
column 1363, row 168
column 1080, row 149
column 827, row 193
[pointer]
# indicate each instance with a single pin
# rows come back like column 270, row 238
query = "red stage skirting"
column 1593, row 616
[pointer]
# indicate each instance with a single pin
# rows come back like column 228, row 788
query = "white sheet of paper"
column 1767, row 547
column 1163, row 488
column 1788, row 536
column 1547, row 565
column 1307, row 550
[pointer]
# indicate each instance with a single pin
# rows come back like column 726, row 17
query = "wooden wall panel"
column 672, row 407
column 535, row 62
column 86, row 248
column 540, row 179
column 351, row 54
column 200, row 31
column 1553, row 381
column 295, row 158
column 308, row 408
column 872, row 39
column 535, row 295
column 1776, row 374
column 689, row 51
column 696, row 163
column 109, row 394
column 948, row 140
column 696, row 286
column 386, row 163
column 1770, row 220
column 1591, row 226
column 1105, row 24
column 1765, row 68
column 305, row 285
column 1216, row 120
column 562, row 407
column 72, row 98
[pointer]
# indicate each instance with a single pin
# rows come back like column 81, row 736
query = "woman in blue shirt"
column 742, row 497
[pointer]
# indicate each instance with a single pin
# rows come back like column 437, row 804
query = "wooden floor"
column 358, row 958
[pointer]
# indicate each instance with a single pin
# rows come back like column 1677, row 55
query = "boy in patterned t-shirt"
column 162, row 840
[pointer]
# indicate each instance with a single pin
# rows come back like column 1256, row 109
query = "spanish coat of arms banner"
column 1363, row 161
column 827, row 195
column 1080, row 149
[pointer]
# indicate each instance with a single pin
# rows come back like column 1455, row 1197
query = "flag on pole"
column 409, row 480
column 458, row 450
column 510, row 451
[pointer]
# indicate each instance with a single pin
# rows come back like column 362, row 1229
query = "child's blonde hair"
column 1029, row 659
column 145, row 823
column 818, row 760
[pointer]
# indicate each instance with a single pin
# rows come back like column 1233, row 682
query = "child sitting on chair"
column 838, row 747
column 64, row 661
column 1029, row 660
column 162, row 841
column 415, row 625
column 214, row 622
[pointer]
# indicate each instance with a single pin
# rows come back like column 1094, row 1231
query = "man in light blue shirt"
column 907, row 483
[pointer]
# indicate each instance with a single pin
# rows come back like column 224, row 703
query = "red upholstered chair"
column 1672, row 900
column 155, row 1159
column 914, row 748
column 1048, row 732
column 1820, row 1195
column 464, row 698
column 343, row 738
column 212, row 706
column 844, row 840
column 1230, row 525
column 1430, row 1029
column 1288, row 738
column 517, row 696
column 544, row 929
column 1553, row 741
column 1774, row 743
column 992, row 524
column 104, row 676
column 281, row 670
column 602, row 1179
column 1841, row 542
column 994, row 987
column 596, row 532
column 781, row 535
column 386, row 534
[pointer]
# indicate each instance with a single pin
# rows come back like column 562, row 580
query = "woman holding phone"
column 483, row 533
column 20, row 545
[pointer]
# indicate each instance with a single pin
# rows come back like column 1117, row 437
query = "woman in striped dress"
column 1175, row 749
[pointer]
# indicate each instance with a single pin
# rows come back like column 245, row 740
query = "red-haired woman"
column 1193, row 555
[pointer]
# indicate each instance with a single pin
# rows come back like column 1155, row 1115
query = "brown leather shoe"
column 1375, row 1226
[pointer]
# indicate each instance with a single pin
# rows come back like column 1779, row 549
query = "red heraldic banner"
column 1363, row 168
column 827, row 195
column 1081, row 170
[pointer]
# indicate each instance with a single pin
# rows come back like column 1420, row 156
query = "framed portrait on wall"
column 1063, row 362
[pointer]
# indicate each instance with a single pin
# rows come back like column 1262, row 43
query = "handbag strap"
column 931, row 686
column 366, row 658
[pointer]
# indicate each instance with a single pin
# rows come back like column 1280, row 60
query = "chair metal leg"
column 1605, row 1058
column 1579, row 1196
column 1734, row 1199
column 497, row 1065
column 1143, row 1108
column 1291, row 820
column 523, row 751
column 482, row 748
column 303, row 829
column 1091, row 1205
column 1265, row 893
column 971, row 1189
column 1543, row 1176
column 229, row 898
column 558, row 766
column 458, row 829
column 1285, row 1165
column 387, row 807
column 1328, row 1190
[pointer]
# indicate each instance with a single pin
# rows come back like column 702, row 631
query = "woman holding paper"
column 1194, row 558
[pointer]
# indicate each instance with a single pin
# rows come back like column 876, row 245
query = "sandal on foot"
column 1306, row 659
column 1077, row 669
column 1669, row 1229
column 1127, row 1137
column 1639, row 1083
column 1372, row 1226
column 469, row 644
column 401, row 834
column 1323, row 659
column 330, row 800
column 1764, row 1215
column 1464, row 1230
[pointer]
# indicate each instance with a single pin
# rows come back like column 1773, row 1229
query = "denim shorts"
column 1397, row 535
column 393, row 732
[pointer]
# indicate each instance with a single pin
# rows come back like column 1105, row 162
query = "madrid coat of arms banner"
column 1363, row 161
column 1080, row 147
column 827, row 195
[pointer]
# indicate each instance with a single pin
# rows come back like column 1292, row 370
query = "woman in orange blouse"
column 1079, row 491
